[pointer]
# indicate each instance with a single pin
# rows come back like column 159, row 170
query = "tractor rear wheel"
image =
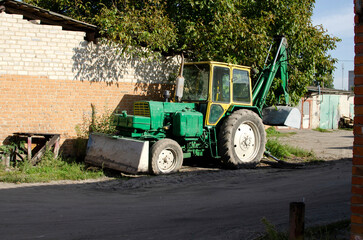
column 166, row 156
column 242, row 139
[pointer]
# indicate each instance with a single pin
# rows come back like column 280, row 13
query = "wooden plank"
column 29, row 148
column 54, row 141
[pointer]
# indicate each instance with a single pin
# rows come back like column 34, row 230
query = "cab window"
column 241, row 86
column 196, row 82
column 221, row 85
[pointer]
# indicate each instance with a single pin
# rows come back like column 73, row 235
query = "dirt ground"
column 332, row 145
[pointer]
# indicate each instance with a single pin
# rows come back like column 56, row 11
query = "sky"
column 337, row 17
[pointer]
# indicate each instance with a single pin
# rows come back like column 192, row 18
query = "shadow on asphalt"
column 351, row 147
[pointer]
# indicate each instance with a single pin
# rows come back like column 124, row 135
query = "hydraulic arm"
column 264, row 82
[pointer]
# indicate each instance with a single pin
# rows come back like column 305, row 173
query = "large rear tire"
column 242, row 139
column 166, row 156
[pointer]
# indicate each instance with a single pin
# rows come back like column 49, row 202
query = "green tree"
column 234, row 31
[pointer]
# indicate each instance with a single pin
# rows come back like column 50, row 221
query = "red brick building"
column 357, row 171
column 51, row 71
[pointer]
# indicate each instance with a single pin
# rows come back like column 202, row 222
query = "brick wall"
column 357, row 171
column 50, row 77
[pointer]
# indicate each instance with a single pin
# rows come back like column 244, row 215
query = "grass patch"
column 346, row 129
column 48, row 169
column 271, row 232
column 272, row 132
column 321, row 130
column 337, row 230
column 285, row 152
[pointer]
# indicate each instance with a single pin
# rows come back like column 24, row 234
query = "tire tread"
column 226, row 139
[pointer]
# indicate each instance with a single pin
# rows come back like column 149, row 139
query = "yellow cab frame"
column 229, row 77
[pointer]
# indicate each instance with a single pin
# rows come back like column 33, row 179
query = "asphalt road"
column 197, row 205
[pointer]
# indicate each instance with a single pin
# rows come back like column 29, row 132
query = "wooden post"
column 29, row 148
column 297, row 221
column 53, row 141
column 56, row 147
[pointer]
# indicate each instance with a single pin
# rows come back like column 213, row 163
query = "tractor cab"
column 216, row 87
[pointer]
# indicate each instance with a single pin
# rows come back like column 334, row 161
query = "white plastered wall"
column 33, row 49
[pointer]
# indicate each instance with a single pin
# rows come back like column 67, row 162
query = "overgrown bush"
column 101, row 123
column 11, row 150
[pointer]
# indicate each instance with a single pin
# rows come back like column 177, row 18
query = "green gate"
column 329, row 114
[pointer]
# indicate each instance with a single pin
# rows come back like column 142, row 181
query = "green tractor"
column 217, row 113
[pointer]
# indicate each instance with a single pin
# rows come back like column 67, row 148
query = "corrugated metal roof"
column 48, row 17
column 315, row 90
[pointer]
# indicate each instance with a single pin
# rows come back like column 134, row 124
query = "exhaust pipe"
column 180, row 82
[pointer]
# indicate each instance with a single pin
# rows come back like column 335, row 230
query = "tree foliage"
column 234, row 31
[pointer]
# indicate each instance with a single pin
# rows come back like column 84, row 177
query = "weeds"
column 48, row 169
column 10, row 152
column 101, row 123
column 318, row 129
column 271, row 232
column 11, row 149
column 52, row 169
column 284, row 151
column 7, row 149
column 337, row 230
column 272, row 132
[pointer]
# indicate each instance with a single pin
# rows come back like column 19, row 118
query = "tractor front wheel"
column 166, row 156
column 242, row 139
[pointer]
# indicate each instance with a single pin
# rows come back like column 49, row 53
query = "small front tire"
column 166, row 156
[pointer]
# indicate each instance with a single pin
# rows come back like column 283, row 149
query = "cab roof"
column 218, row 63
